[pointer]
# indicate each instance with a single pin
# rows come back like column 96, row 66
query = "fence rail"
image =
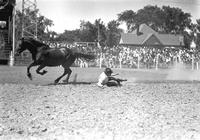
column 23, row 59
column 4, row 54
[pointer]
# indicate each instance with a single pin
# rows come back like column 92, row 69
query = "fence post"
column 11, row 59
column 101, row 59
column 157, row 61
column 120, row 63
column 138, row 62
column 192, row 61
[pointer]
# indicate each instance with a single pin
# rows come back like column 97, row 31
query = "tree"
column 187, row 39
column 18, row 23
column 167, row 19
column 163, row 20
column 128, row 17
column 69, row 36
column 198, row 33
column 43, row 24
column 113, row 33
column 153, row 16
column 95, row 32
column 176, row 21
column 101, row 33
column 88, row 32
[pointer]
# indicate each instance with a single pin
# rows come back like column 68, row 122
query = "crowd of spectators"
column 132, row 57
column 147, row 57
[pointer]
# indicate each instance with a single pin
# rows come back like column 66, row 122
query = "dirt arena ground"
column 151, row 105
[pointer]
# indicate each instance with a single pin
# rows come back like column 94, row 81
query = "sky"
column 67, row 14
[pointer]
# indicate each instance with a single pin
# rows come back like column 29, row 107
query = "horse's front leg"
column 29, row 67
column 40, row 68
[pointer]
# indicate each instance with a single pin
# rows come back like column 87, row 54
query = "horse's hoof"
column 44, row 72
column 65, row 81
column 29, row 76
column 56, row 82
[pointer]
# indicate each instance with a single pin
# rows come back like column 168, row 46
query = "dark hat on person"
column 108, row 70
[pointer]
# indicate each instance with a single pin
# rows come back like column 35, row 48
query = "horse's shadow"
column 72, row 83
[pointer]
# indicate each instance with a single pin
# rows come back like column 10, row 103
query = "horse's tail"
column 85, row 56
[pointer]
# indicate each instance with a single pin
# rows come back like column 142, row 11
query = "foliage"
column 152, row 16
column 88, row 32
column 113, row 33
column 94, row 32
column 176, row 21
column 128, row 17
column 69, row 36
column 198, row 33
column 163, row 20
column 43, row 24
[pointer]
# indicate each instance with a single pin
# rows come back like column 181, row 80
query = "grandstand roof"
column 146, row 36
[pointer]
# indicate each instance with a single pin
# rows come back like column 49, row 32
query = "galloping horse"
column 43, row 56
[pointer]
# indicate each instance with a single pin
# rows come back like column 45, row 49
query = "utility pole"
column 30, row 29
column 12, row 54
column 11, row 28
column 99, row 46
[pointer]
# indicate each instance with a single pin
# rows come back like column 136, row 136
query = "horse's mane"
column 34, row 42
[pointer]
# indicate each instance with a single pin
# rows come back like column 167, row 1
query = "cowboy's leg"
column 110, row 79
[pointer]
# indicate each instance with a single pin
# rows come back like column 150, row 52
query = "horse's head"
column 34, row 46
column 21, row 46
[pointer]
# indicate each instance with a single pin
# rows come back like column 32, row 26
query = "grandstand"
column 6, row 29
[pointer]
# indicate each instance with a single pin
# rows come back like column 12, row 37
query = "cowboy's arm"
column 121, row 80
column 112, row 78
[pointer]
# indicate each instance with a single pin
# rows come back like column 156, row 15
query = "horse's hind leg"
column 69, row 71
column 66, row 71
column 39, row 68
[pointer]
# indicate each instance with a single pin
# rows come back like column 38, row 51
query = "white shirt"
column 102, row 80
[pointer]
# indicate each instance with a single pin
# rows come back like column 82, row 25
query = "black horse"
column 43, row 56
